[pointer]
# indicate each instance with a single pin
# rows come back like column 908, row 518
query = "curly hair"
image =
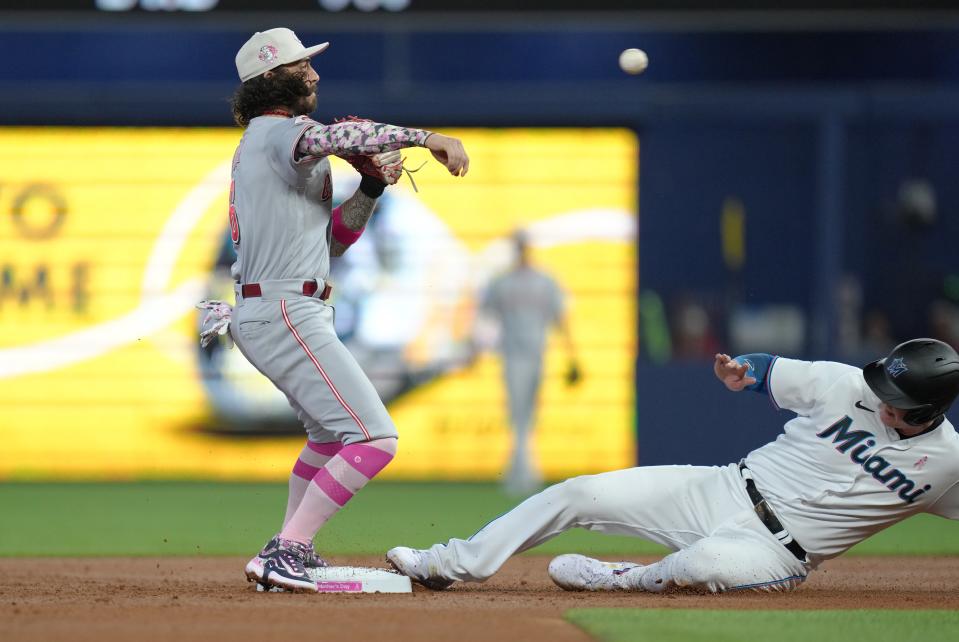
column 259, row 94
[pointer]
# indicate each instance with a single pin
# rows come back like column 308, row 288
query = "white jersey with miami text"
column 838, row 475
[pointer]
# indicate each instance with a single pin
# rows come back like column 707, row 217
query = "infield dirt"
column 203, row 598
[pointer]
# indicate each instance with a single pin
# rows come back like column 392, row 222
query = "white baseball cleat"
column 418, row 566
column 581, row 573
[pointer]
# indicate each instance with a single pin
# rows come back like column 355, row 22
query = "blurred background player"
column 868, row 448
column 524, row 303
column 285, row 230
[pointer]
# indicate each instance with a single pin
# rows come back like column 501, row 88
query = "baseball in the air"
column 633, row 61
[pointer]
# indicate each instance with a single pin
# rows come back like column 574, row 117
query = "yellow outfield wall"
column 109, row 237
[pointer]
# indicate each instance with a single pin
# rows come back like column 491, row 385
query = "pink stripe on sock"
column 332, row 488
column 304, row 470
column 366, row 459
column 327, row 449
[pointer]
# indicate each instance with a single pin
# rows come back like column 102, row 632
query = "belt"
column 309, row 289
column 768, row 517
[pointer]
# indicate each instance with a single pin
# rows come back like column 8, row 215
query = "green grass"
column 184, row 518
column 682, row 625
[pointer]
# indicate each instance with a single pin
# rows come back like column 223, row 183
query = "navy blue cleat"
column 285, row 566
column 254, row 568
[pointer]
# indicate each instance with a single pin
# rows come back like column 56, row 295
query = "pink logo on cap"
column 267, row 53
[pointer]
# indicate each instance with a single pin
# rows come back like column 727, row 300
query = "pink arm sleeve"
column 352, row 137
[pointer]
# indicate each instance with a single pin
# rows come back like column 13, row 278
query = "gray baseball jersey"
column 526, row 302
column 280, row 211
column 281, row 207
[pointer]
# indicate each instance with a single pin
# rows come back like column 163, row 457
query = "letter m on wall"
column 26, row 288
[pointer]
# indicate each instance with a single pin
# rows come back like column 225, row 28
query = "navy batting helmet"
column 920, row 376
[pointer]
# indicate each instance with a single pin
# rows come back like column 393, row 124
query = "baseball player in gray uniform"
column 285, row 230
column 868, row 448
column 525, row 302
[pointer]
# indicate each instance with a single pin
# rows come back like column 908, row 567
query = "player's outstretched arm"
column 732, row 373
column 356, row 137
column 365, row 138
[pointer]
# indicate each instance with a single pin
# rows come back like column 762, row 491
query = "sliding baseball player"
column 868, row 447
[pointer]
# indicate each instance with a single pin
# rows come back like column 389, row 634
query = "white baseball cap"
column 269, row 49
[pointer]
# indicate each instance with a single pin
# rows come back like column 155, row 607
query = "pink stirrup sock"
column 335, row 484
column 312, row 459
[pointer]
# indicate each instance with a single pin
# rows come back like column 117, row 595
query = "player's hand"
column 732, row 373
column 450, row 152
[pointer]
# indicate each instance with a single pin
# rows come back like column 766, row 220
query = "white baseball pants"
column 702, row 513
